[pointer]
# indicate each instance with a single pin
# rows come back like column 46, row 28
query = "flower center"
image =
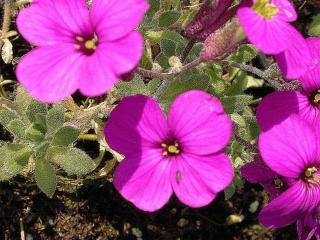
column 86, row 45
column 278, row 183
column 314, row 98
column 311, row 175
column 265, row 8
column 170, row 149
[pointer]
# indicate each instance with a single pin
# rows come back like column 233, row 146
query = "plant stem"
column 255, row 71
column 88, row 137
column 187, row 50
column 168, row 76
column 6, row 19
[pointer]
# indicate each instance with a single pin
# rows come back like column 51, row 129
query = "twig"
column 6, row 19
column 22, row 233
column 256, row 72
column 168, row 76
column 242, row 141
column 88, row 137
column 187, row 50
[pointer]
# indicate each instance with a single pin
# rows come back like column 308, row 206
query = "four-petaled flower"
column 277, row 106
column 78, row 47
column 266, row 24
column 291, row 149
column 181, row 154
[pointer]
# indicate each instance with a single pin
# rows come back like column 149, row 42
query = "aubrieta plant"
column 187, row 119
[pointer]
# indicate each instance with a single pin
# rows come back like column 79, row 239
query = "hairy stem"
column 167, row 76
column 6, row 19
column 187, row 50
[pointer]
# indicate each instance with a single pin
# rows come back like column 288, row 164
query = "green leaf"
column 314, row 27
column 34, row 108
column 34, row 132
column 22, row 98
column 14, row 157
column 156, row 36
column 136, row 86
column 183, row 83
column 65, row 136
column 168, row 18
column 73, row 160
column 168, row 47
column 6, row 116
column 235, row 104
column 17, row 127
column 237, row 182
column 55, row 119
column 153, row 85
column 45, row 176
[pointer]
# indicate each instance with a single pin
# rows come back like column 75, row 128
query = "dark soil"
column 97, row 211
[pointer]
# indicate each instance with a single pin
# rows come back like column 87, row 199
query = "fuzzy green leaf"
column 136, row 86
column 73, row 160
column 168, row 18
column 17, row 127
column 314, row 27
column 55, row 119
column 45, row 176
column 235, row 104
column 6, row 116
column 14, row 157
column 34, row 108
column 65, row 136
column 34, row 133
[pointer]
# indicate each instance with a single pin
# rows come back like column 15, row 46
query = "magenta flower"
column 181, row 154
column 78, row 47
column 258, row 172
column 291, row 150
column 267, row 25
column 277, row 106
column 309, row 225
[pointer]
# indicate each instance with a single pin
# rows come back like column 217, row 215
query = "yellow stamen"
column 278, row 183
column 90, row 44
column 164, row 145
column 265, row 8
column 76, row 46
column 310, row 171
column 172, row 149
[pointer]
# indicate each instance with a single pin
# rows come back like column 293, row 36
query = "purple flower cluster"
column 89, row 48
column 288, row 166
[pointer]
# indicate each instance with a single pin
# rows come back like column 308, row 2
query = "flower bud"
column 223, row 41
column 208, row 14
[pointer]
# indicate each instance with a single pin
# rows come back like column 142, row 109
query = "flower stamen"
column 265, row 8
column 311, row 176
column 171, row 150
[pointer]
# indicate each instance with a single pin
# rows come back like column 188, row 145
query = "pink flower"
column 309, row 225
column 258, row 172
column 267, row 25
column 277, row 106
column 181, row 154
column 78, row 47
column 291, row 150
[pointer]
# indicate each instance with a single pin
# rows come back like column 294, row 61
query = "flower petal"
column 135, row 124
column 289, row 147
column 196, row 180
column 124, row 54
column 296, row 59
column 198, row 121
column 306, row 227
column 48, row 22
column 290, row 206
column 50, row 74
column 256, row 172
column 114, row 19
column 144, row 180
column 287, row 10
column 270, row 36
column 277, row 106
column 311, row 79
column 97, row 76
